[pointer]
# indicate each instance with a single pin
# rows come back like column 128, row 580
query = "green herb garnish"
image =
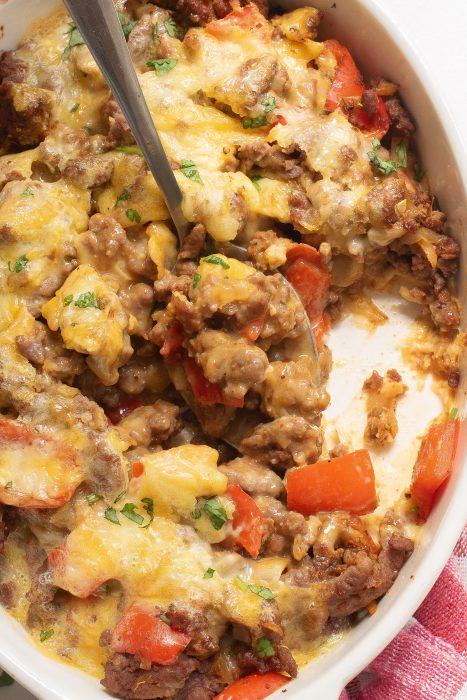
column 28, row 192
column 401, row 150
column 124, row 196
column 46, row 634
column 75, row 107
column 384, row 166
column 87, row 300
column 269, row 104
column 111, row 514
column 216, row 260
column 120, row 496
column 196, row 279
column 9, row 485
column 190, row 171
column 162, row 66
column 164, row 618
column 5, row 680
column 74, row 39
column 255, row 180
column 132, row 150
column 254, row 122
column 19, row 264
column 262, row 591
column 93, row 498
column 215, row 512
column 155, row 32
column 196, row 514
column 453, row 413
column 209, row 573
column 126, row 26
column 133, row 215
column 239, row 583
column 149, row 508
column 67, row 300
column 171, row 27
column 129, row 511
column 264, row 648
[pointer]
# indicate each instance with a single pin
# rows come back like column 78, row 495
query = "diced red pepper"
column 279, row 119
column 321, row 331
column 310, row 278
column 344, row 483
column 171, row 349
column 248, row 18
column 137, row 469
column 141, row 631
column 205, row 391
column 248, row 521
column 116, row 413
column 347, row 81
column 434, row 464
column 375, row 125
column 256, row 686
column 252, row 330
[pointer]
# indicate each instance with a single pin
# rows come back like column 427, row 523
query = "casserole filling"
column 136, row 542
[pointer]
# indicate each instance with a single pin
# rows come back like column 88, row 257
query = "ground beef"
column 289, row 389
column 119, row 133
column 125, row 677
column 193, row 243
column 201, row 685
column 286, row 522
column 445, row 310
column 400, row 119
column 45, row 349
column 282, row 661
column 170, row 283
column 285, row 442
column 204, row 639
column 286, row 162
column 448, row 251
column 370, row 101
column 41, row 596
column 12, row 69
column 229, row 360
column 253, row 477
column 7, row 594
column 25, row 113
column 143, row 45
column 268, row 251
column 89, row 172
column 301, row 210
column 381, row 201
column 200, row 12
column 382, row 396
column 285, row 317
column 151, row 424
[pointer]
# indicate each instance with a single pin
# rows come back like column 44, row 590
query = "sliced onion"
column 427, row 240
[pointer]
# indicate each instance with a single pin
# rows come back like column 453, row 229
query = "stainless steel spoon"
column 99, row 25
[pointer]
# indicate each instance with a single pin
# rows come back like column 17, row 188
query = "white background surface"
column 437, row 31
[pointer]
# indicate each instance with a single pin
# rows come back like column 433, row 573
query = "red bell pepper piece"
column 347, row 81
column 375, row 125
column 434, row 464
column 116, row 413
column 171, row 349
column 344, row 483
column 248, row 521
column 248, row 18
column 256, row 686
column 251, row 331
column 310, row 278
column 321, row 331
column 205, row 391
column 142, row 631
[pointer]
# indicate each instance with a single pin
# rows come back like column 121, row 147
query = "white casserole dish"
column 381, row 49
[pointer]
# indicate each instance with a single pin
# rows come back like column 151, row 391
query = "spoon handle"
column 99, row 25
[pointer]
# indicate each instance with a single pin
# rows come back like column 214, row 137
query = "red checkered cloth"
column 427, row 660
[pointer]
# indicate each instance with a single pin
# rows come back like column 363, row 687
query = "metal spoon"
column 99, row 25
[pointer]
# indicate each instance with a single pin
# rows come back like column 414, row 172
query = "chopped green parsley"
column 196, row 279
column 129, row 511
column 93, row 498
column 9, row 485
column 190, row 171
column 19, row 265
column 74, row 39
column 269, row 104
column 254, row 122
column 67, row 300
column 124, row 196
column 255, row 180
column 195, row 514
column 264, row 648
column 453, row 413
column 171, row 27
column 75, row 107
column 87, row 300
column 215, row 512
column 216, row 260
column 46, row 634
column 164, row 618
column 149, row 508
column 133, row 215
column 111, row 514
column 162, row 66
column 131, row 150
column 28, row 192
column 126, row 26
column 209, row 573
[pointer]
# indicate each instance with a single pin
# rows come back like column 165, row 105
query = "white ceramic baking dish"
column 381, row 48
